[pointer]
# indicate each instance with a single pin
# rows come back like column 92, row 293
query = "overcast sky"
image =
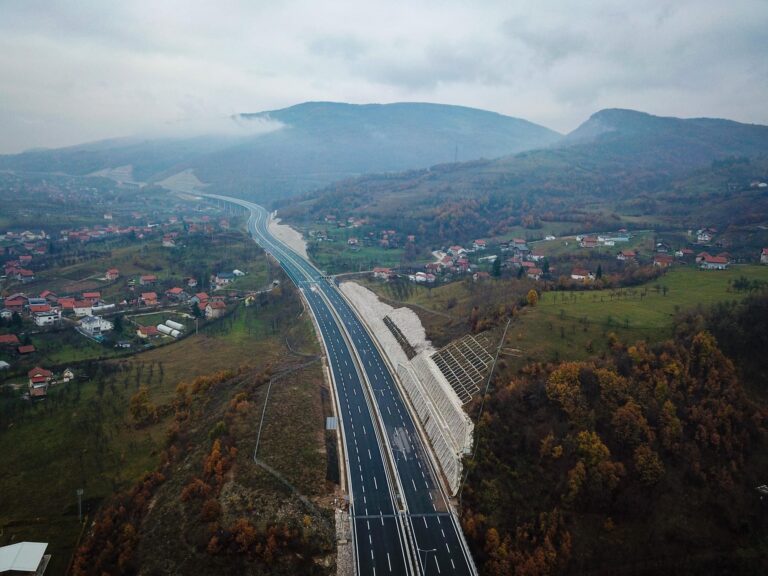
column 82, row 70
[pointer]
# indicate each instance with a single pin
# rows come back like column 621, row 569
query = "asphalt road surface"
column 401, row 519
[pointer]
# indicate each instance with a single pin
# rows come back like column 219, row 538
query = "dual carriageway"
column 402, row 521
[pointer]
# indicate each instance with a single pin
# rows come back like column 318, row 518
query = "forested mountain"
column 642, row 462
column 277, row 153
column 617, row 159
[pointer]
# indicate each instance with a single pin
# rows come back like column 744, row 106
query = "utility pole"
column 79, row 492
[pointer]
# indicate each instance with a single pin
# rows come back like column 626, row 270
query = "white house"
column 95, row 325
column 764, row 256
column 46, row 318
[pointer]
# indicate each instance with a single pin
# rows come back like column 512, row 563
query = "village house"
column 588, row 242
column 67, row 303
column 49, row 296
column 626, row 256
column 223, row 278
column 112, row 274
column 201, row 299
column 26, row 349
column 149, row 298
column 704, row 235
column 83, row 308
column 147, row 332
column 16, row 303
column 764, row 256
column 92, row 296
column 38, row 307
column 478, row 245
column 534, row 273
column 147, row 280
column 478, row 276
column 169, row 241
column 215, row 309
column 422, row 278
column 663, row 260
column 39, row 379
column 25, row 276
column 684, row 253
column 382, row 273
column 6, row 314
column 9, row 340
column 46, row 318
column 95, row 325
column 67, row 375
column 581, row 274
column 353, row 241
column 177, row 294
column 708, row 262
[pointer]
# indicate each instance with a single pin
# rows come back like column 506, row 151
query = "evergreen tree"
column 496, row 268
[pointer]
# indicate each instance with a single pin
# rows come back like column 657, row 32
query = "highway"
column 401, row 519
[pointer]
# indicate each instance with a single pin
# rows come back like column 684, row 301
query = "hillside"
column 282, row 152
column 614, row 159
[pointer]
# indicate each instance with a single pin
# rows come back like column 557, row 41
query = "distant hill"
column 316, row 143
column 613, row 160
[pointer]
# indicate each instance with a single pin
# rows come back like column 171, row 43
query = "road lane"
column 431, row 525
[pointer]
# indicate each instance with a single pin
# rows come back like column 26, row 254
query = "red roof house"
column 9, row 340
column 149, row 298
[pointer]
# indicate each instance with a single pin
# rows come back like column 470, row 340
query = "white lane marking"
column 389, row 562
column 437, row 564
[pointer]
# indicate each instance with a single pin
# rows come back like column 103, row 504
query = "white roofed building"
column 24, row 558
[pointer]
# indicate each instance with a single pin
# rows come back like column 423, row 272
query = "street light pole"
column 426, row 558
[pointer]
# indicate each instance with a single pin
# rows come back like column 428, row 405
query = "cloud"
column 72, row 72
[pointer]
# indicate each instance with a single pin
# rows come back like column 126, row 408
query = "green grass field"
column 337, row 257
column 642, row 241
column 563, row 324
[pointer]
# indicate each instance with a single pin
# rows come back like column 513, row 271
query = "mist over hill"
column 617, row 158
column 278, row 153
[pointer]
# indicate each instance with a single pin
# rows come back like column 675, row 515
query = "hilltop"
column 618, row 161
column 281, row 152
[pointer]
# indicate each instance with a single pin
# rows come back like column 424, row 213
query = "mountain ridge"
column 305, row 146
